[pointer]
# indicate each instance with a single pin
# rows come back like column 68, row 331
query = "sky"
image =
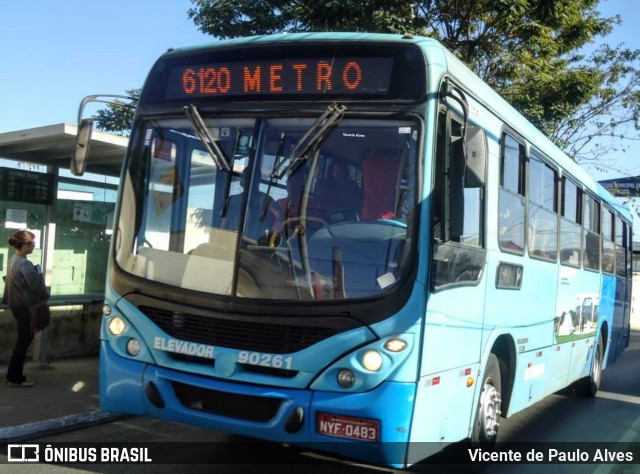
column 55, row 52
column 620, row 163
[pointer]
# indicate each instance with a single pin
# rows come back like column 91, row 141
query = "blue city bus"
column 351, row 244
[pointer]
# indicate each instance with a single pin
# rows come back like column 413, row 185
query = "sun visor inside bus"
column 476, row 157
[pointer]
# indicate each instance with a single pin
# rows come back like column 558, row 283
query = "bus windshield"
column 303, row 212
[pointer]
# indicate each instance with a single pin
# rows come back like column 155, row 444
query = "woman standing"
column 24, row 286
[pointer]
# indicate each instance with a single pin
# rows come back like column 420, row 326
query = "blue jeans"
column 25, row 336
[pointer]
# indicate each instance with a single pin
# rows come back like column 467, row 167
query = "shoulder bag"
column 5, row 300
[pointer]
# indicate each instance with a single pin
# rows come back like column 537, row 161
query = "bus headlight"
column 372, row 360
column 133, row 347
column 116, row 326
column 346, row 378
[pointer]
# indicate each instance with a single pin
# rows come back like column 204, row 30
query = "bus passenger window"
column 511, row 203
column 620, row 230
column 591, row 233
column 543, row 220
column 570, row 224
column 628, row 246
column 608, row 246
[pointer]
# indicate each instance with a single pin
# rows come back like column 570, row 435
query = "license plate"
column 348, row 427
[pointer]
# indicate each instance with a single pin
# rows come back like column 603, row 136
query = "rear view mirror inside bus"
column 81, row 151
column 476, row 157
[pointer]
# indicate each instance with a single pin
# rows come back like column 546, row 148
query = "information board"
column 26, row 186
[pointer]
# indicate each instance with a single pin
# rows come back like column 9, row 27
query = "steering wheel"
column 298, row 228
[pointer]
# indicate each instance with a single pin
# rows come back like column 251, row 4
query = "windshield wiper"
column 217, row 155
column 310, row 140
column 267, row 197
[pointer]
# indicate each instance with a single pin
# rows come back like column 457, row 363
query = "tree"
column 118, row 116
column 530, row 51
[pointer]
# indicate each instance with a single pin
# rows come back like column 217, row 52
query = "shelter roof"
column 52, row 145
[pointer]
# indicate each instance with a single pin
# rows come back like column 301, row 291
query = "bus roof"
column 297, row 37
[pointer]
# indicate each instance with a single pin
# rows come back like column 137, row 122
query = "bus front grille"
column 230, row 405
column 242, row 335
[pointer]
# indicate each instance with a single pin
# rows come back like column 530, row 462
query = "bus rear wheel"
column 589, row 385
column 487, row 419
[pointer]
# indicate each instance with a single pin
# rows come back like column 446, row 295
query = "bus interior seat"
column 222, row 245
column 380, row 175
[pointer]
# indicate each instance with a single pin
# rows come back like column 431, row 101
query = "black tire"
column 588, row 386
column 487, row 418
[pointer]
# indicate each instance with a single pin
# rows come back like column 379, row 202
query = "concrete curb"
column 29, row 431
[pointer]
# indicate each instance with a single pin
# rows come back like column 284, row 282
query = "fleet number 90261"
column 275, row 361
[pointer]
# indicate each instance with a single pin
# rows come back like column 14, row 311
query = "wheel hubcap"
column 490, row 410
column 595, row 376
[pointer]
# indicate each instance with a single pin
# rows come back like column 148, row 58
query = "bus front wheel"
column 487, row 419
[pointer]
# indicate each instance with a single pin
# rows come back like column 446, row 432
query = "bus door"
column 455, row 308
column 622, row 275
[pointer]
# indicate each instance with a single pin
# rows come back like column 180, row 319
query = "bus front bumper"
column 371, row 426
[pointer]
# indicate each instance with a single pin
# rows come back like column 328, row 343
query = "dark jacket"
column 27, row 286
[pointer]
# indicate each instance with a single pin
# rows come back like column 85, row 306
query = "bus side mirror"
column 476, row 157
column 81, row 151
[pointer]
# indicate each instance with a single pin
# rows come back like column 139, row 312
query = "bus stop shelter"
column 71, row 218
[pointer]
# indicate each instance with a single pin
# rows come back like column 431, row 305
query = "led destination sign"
column 369, row 76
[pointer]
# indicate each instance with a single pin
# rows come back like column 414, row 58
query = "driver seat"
column 379, row 176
